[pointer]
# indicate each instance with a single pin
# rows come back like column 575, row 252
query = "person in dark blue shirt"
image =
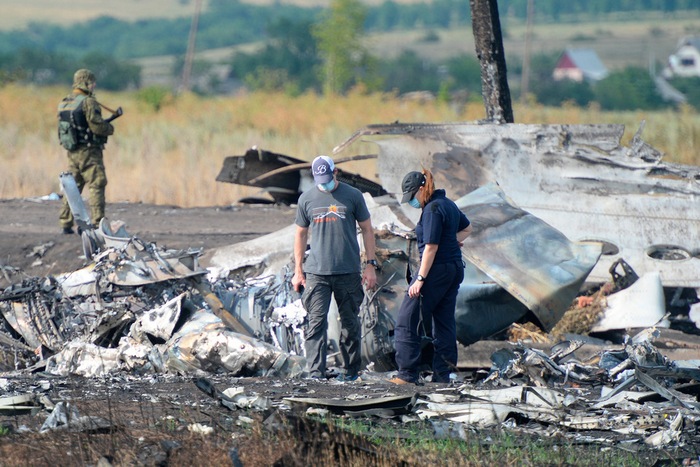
column 432, row 293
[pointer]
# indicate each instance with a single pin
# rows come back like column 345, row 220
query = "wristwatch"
column 420, row 278
column 374, row 263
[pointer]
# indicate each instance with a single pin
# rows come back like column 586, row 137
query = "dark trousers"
column 437, row 305
column 348, row 293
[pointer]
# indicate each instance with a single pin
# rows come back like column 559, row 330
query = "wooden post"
column 489, row 49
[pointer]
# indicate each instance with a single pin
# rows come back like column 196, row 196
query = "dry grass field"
column 173, row 156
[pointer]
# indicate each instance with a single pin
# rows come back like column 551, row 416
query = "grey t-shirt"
column 331, row 219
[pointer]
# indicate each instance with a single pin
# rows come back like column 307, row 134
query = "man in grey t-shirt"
column 331, row 211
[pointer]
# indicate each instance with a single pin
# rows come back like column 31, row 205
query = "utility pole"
column 525, row 79
column 488, row 42
column 189, row 56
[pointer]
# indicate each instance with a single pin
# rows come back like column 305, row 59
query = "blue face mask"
column 327, row 187
column 415, row 203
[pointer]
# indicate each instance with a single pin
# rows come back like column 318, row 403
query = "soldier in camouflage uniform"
column 85, row 159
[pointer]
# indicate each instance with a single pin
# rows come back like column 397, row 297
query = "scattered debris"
column 65, row 417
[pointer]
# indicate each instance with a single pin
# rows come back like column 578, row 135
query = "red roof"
column 565, row 62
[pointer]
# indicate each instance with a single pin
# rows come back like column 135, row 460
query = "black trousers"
column 437, row 305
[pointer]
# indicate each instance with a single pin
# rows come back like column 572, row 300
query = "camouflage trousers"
column 88, row 169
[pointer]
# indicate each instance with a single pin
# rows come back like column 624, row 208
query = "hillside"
column 618, row 43
column 637, row 38
column 17, row 15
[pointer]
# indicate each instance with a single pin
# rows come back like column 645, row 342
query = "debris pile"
column 136, row 308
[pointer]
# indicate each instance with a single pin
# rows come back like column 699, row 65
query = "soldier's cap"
column 322, row 167
column 410, row 185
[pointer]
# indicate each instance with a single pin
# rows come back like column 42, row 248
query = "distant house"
column 685, row 61
column 579, row 65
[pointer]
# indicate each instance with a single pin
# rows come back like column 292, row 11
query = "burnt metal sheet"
column 31, row 315
column 17, row 405
column 140, row 263
column 75, row 201
column 284, row 178
column 534, row 262
column 579, row 179
column 243, row 170
column 397, row 404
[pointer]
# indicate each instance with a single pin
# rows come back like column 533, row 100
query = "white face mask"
column 415, row 203
column 327, row 187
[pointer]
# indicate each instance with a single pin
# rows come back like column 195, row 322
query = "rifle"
column 115, row 113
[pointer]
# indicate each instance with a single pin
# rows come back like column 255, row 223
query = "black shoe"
column 67, row 230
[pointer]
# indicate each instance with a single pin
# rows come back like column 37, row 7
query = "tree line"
column 229, row 22
column 320, row 50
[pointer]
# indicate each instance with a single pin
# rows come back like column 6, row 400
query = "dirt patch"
column 31, row 242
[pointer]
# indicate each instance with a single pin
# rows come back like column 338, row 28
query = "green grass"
column 416, row 442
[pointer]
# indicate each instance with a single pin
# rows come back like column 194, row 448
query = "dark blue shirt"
column 439, row 223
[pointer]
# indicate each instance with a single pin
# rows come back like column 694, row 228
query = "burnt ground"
column 29, row 226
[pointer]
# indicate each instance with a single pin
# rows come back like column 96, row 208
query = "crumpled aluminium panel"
column 534, row 262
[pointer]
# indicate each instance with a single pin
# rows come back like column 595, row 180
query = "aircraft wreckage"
column 554, row 209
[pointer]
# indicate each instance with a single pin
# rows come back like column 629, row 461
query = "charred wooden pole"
column 489, row 49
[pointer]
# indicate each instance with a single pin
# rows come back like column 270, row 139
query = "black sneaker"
column 67, row 231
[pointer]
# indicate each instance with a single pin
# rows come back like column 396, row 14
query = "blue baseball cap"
column 322, row 168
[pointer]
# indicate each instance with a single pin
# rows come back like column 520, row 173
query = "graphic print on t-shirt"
column 328, row 214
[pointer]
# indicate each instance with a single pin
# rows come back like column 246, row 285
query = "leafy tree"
column 339, row 35
column 629, row 89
